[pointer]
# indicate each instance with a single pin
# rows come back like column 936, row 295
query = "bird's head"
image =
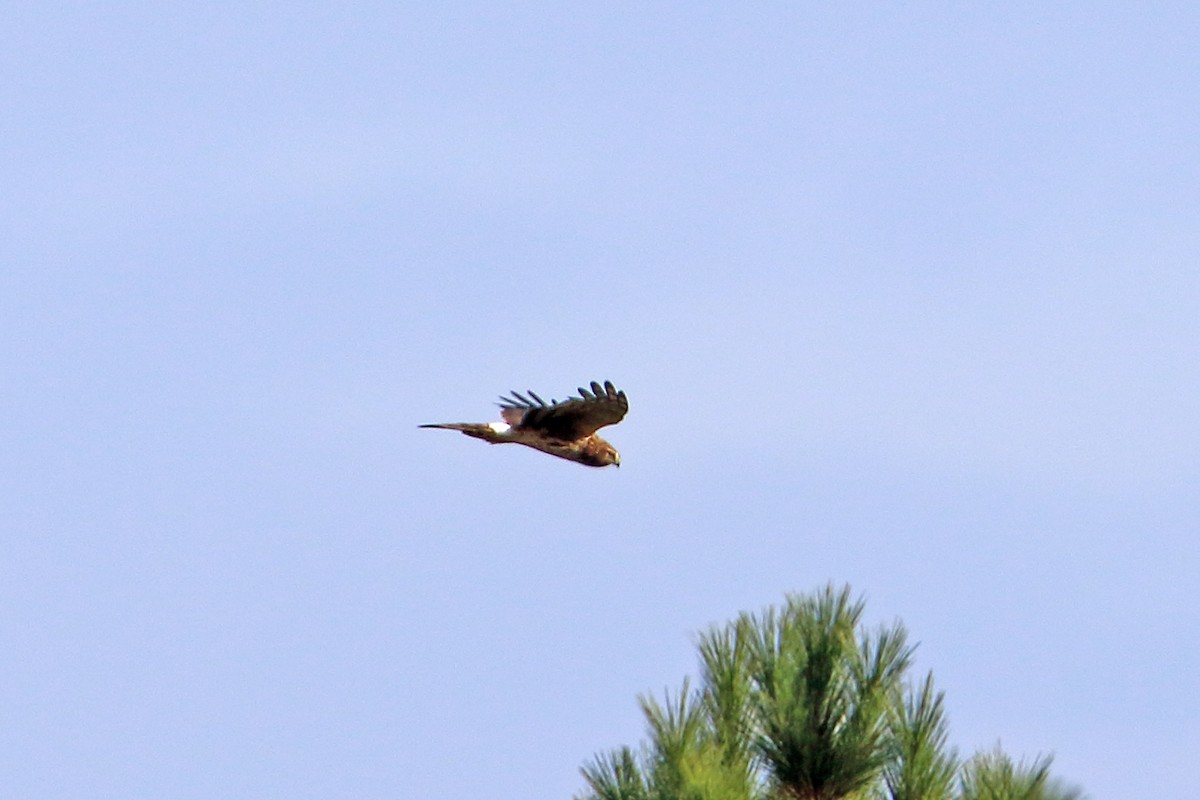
column 603, row 455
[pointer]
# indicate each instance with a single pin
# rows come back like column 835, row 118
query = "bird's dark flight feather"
column 573, row 418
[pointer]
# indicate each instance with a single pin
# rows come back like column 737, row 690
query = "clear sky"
column 903, row 295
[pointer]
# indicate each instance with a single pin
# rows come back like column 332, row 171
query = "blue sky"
column 903, row 295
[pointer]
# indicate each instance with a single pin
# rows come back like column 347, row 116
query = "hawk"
column 566, row 429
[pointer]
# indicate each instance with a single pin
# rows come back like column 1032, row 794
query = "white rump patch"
column 499, row 427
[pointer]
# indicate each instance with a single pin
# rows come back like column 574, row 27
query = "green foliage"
column 616, row 776
column 822, row 693
column 921, row 767
column 804, row 703
column 994, row 776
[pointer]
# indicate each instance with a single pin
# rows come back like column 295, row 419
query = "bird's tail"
column 475, row 429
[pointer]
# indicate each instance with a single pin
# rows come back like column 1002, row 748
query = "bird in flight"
column 566, row 429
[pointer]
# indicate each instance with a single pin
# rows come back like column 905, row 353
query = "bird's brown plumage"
column 566, row 429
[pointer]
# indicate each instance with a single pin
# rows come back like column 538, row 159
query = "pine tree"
column 802, row 702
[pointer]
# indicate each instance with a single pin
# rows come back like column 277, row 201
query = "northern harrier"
column 566, row 429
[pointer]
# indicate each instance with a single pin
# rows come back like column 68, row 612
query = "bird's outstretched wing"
column 573, row 418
